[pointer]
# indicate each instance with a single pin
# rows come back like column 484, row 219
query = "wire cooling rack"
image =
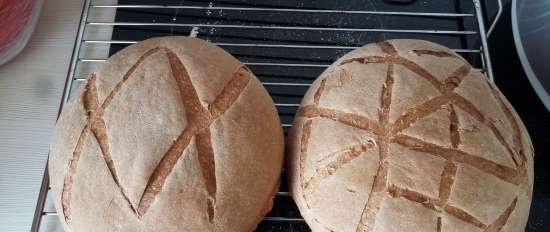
column 287, row 44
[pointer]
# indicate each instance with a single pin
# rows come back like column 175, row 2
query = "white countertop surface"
column 31, row 86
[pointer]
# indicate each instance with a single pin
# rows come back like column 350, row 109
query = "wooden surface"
column 31, row 86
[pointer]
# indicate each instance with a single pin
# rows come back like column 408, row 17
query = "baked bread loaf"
column 172, row 134
column 404, row 135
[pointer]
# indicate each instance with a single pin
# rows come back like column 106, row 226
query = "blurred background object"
column 531, row 28
column 17, row 21
column 511, row 79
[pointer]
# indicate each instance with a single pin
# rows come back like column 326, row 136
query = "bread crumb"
column 350, row 190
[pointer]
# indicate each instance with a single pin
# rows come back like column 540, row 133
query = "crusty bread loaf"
column 173, row 134
column 405, row 135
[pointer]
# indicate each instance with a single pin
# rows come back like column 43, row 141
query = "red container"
column 17, row 21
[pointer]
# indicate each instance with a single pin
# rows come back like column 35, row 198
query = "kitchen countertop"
column 31, row 86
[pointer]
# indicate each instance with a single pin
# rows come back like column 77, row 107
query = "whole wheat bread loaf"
column 404, row 135
column 172, row 134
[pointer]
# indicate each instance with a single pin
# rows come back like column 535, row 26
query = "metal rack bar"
column 497, row 17
column 394, row 13
column 41, row 200
column 252, row 64
column 262, row 27
column 246, row 63
column 76, row 51
column 265, row 84
column 283, row 194
column 286, row 104
column 484, row 45
column 50, row 214
column 457, row 50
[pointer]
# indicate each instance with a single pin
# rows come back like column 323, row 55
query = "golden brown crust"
column 455, row 94
column 168, row 54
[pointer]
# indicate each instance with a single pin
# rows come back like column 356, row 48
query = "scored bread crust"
column 172, row 134
column 404, row 135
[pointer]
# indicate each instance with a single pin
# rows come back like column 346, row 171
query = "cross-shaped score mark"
column 199, row 119
column 387, row 132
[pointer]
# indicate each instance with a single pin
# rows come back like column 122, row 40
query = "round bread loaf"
column 405, row 135
column 172, row 134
